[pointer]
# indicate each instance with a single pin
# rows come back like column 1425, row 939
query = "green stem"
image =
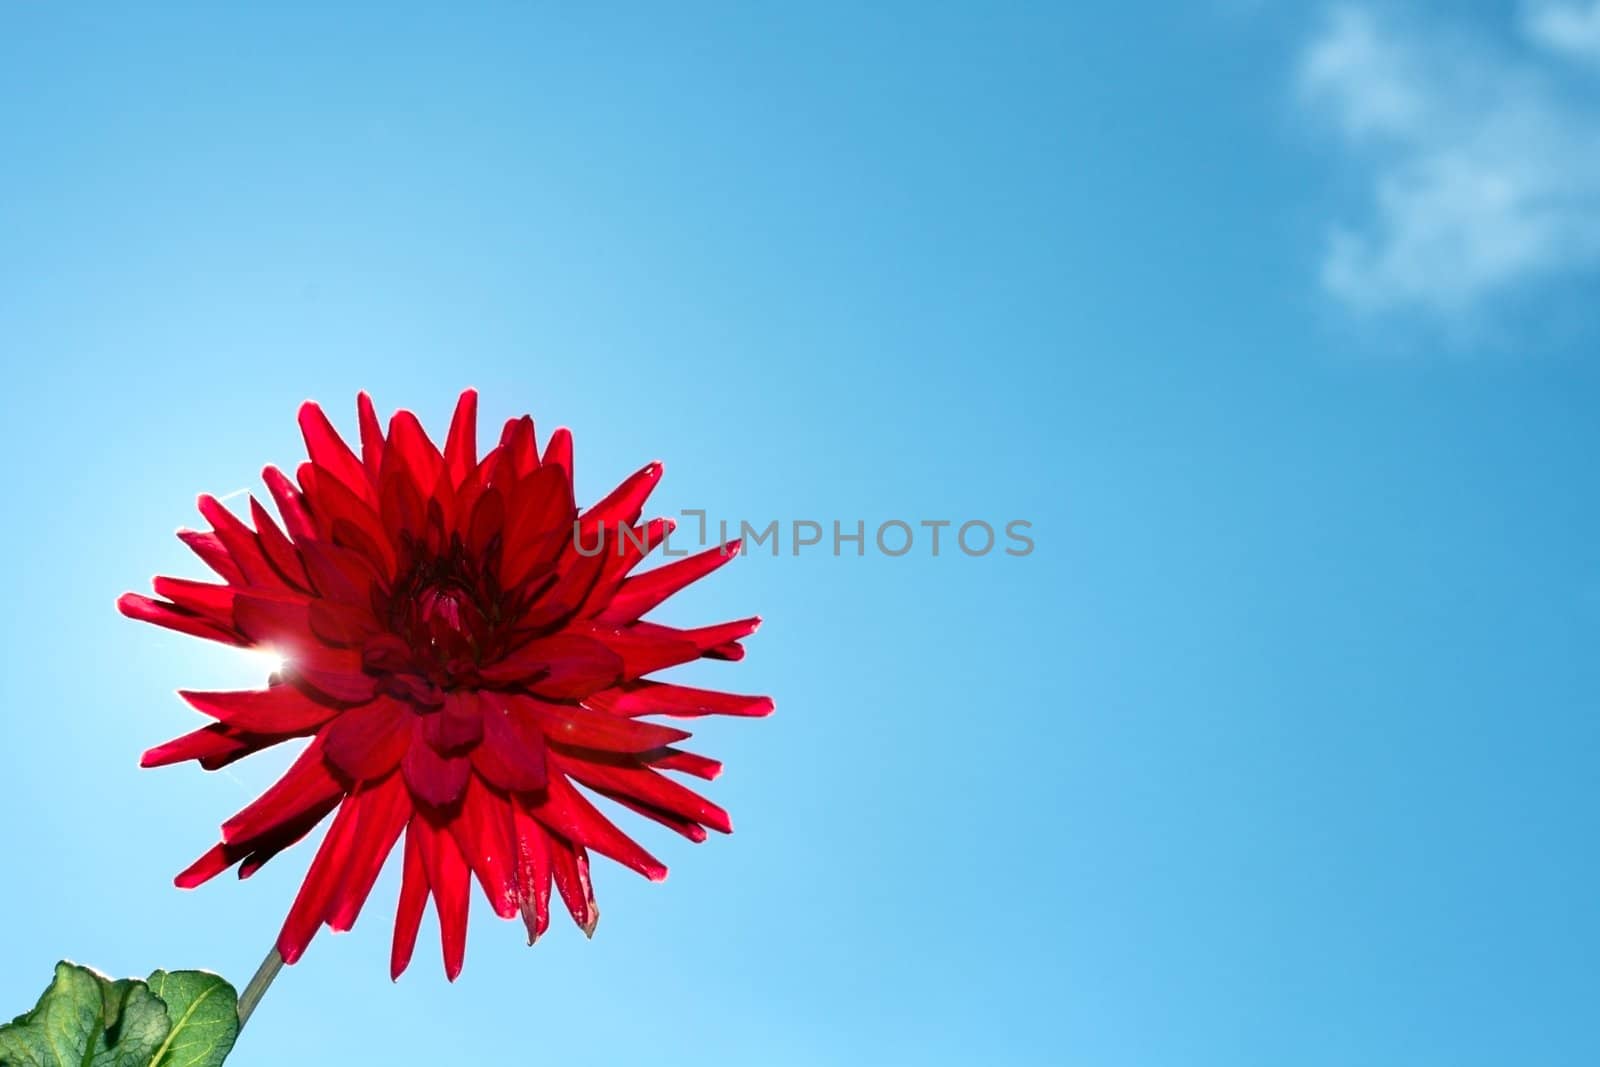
column 258, row 985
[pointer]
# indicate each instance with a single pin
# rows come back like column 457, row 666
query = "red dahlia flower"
column 462, row 659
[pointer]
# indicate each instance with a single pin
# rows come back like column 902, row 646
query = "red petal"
column 675, row 759
column 144, row 609
column 623, row 505
column 539, row 512
column 448, row 877
column 571, row 724
column 335, row 673
column 290, row 505
column 487, row 521
column 659, row 698
column 456, row 726
column 400, row 503
column 561, row 666
column 676, row 823
column 368, row 742
column 340, row 573
column 209, row 547
column 511, row 756
column 413, row 900
column 318, row 892
column 212, row 602
column 421, row 456
column 635, row 544
column 371, row 437
column 533, row 872
column 243, row 546
column 569, row 865
column 280, row 709
column 267, row 620
column 558, row 452
column 263, row 849
column 280, row 551
column 207, row 867
column 328, row 450
column 647, row 786
column 303, row 786
column 385, row 809
column 566, row 811
column 461, row 446
column 372, row 546
column 331, row 502
column 642, row 651
column 434, row 779
column 709, row 639
column 520, row 448
column 485, row 834
column 214, row 746
column 340, row 624
column 643, row 592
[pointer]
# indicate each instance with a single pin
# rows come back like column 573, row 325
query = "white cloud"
column 1483, row 172
column 1564, row 26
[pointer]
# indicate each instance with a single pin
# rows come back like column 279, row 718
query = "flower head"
column 464, row 649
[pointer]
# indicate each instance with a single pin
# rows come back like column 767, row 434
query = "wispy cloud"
column 1564, row 26
column 1481, row 162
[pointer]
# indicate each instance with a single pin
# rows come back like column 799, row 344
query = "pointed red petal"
column 289, row 834
column 280, row 551
column 675, row 759
column 569, row 865
column 625, row 503
column 421, row 455
column 207, row 867
column 277, row 709
column 520, row 447
column 568, row 813
column 644, row 592
column 318, row 892
column 533, row 872
column 214, row 603
column 450, row 880
column 209, row 547
column 243, row 546
column 461, row 446
column 660, row 698
column 144, row 609
column 385, row 809
column 213, row 746
column 647, row 786
column 291, row 505
column 371, row 437
column 572, row 724
column 413, row 900
column 485, row 834
column 322, row 880
column 558, row 451
column 306, row 783
column 328, row 450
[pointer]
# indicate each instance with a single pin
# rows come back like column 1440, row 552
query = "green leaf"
column 204, row 1011
column 176, row 1019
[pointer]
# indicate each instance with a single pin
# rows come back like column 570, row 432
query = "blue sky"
column 1275, row 320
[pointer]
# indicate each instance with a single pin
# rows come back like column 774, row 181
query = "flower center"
column 446, row 624
column 444, row 612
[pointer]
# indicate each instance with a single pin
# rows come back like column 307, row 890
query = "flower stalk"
column 258, row 985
